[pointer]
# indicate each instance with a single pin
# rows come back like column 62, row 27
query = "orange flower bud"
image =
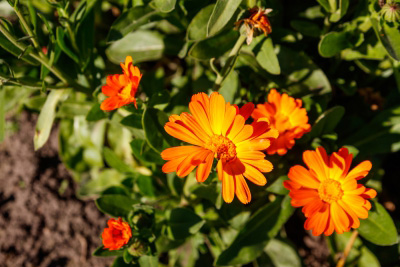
column 116, row 235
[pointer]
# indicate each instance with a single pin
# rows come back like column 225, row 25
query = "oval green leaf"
column 141, row 45
column 267, row 58
column 115, row 205
column 222, row 13
column 379, row 227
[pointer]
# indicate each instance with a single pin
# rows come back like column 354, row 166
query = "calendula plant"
column 170, row 112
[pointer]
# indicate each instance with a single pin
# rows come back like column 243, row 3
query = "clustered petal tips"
column 116, row 235
column 121, row 88
column 257, row 21
column 328, row 191
column 216, row 129
column 286, row 115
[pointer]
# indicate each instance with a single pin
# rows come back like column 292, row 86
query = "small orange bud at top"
column 116, row 235
column 44, row 50
column 258, row 20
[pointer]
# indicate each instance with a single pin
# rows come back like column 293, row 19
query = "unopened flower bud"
column 391, row 11
column 138, row 249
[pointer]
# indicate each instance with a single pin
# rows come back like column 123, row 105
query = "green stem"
column 28, row 30
column 230, row 62
column 44, row 61
column 9, row 80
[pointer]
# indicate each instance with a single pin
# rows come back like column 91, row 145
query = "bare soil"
column 42, row 223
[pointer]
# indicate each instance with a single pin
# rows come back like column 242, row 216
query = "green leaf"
column 221, row 15
column 306, row 28
column 153, row 122
column 2, row 114
column 230, row 87
column 141, row 45
column 378, row 135
column 60, row 35
column 46, row 117
column 142, row 151
column 95, row 113
column 182, row 223
column 115, row 162
column 267, row 58
column 115, row 205
column 327, row 121
column 332, row 43
column 260, row 228
column 127, row 256
column 389, row 36
column 367, row 259
column 197, row 29
column 119, row 262
column 341, row 11
column 130, row 21
column 100, row 182
column 145, row 184
column 282, row 254
column 277, row 186
column 165, row 6
column 148, row 261
column 379, row 227
column 103, row 252
column 215, row 46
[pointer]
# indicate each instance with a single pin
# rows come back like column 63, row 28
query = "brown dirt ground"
column 39, row 226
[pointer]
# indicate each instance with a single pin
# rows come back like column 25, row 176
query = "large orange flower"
column 287, row 116
column 121, row 88
column 116, row 235
column 328, row 192
column 217, row 130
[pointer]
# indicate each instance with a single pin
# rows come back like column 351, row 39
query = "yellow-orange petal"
column 254, row 175
column 228, row 187
column 217, row 112
column 180, row 132
column 302, row 176
column 242, row 189
column 360, row 171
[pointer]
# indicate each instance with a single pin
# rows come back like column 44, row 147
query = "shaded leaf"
column 215, row 46
column 115, row 162
column 260, row 228
column 129, row 21
column 115, row 205
column 182, row 223
column 102, row 252
column 197, row 29
column 164, row 5
column 327, row 121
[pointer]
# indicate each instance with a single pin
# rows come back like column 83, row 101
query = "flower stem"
column 28, row 30
column 44, row 61
column 347, row 249
column 230, row 62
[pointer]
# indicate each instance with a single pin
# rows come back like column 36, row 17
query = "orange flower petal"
column 204, row 169
column 242, row 190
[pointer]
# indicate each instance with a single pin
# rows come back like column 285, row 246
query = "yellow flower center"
column 125, row 92
column 222, row 147
column 330, row 191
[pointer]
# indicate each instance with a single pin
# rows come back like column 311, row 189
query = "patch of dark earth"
column 39, row 224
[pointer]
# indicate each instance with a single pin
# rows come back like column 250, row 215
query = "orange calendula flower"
column 287, row 116
column 217, row 129
column 121, row 88
column 257, row 21
column 328, row 191
column 116, row 235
